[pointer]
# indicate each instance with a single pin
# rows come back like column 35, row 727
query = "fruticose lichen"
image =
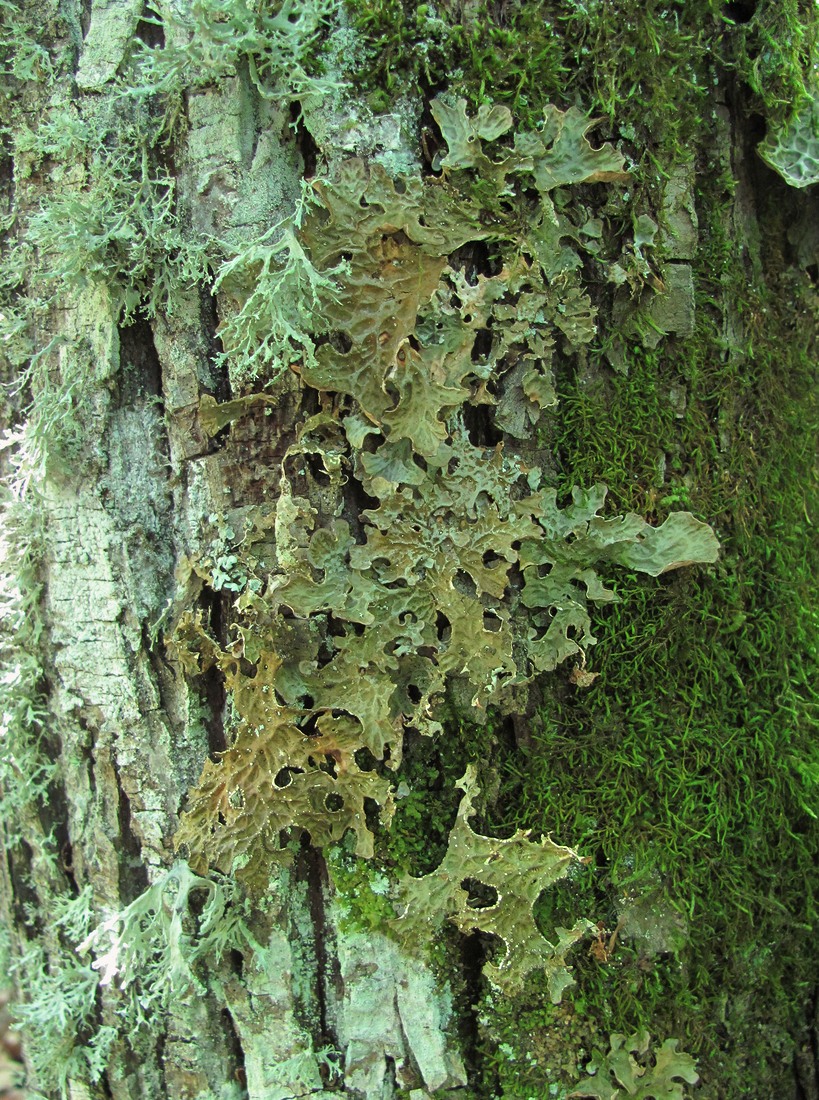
column 59, row 1000
column 152, row 947
column 210, row 40
column 118, row 228
column 405, row 550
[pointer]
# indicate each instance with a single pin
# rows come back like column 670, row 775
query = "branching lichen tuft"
column 119, row 229
column 209, row 40
column 150, row 949
column 57, row 1007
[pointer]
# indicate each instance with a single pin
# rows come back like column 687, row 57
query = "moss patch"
column 688, row 769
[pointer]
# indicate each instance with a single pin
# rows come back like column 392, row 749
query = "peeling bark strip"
column 282, row 511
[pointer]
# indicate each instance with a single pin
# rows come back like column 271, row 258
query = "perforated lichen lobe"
column 461, row 564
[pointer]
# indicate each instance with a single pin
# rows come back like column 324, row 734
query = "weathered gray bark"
column 317, row 1006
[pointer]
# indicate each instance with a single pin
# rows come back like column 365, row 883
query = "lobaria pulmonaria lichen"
column 405, row 549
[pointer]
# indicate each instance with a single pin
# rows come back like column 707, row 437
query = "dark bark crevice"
column 357, row 502
column 232, row 1038
column 305, row 142
column 150, row 29
column 475, row 259
column 6, row 177
column 328, row 972
column 217, row 607
column 140, row 369
column 431, row 140
column 161, row 1042
column 217, row 379
column 58, row 817
column 163, row 673
column 390, row 1080
column 105, row 1088
column 133, row 874
column 24, row 902
column 85, row 16
column 211, row 684
column 212, row 688
column 480, row 426
column 473, row 956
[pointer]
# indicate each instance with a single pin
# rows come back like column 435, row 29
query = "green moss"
column 427, row 801
column 777, row 53
column 397, row 40
column 363, row 892
column 601, row 54
column 525, row 55
column 688, row 769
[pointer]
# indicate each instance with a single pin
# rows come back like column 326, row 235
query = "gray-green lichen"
column 350, row 623
column 631, row 1068
column 792, row 149
column 405, row 549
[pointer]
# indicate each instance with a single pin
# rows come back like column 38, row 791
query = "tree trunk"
column 314, row 780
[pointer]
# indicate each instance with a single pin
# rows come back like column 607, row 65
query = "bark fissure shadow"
column 217, row 378
column 140, row 376
column 25, row 899
column 325, row 987
column 474, row 950
column 161, row 1062
column 163, row 673
column 232, row 1037
column 211, row 684
column 133, row 876
column 305, row 142
column 150, row 29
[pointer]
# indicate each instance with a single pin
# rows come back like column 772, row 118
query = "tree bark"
column 185, row 460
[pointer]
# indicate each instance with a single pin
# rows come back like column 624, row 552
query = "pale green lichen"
column 118, row 227
column 22, row 57
column 208, row 40
column 631, row 1069
column 516, row 872
column 57, row 1004
column 270, row 294
column 154, row 950
column 150, row 950
column 792, row 149
column 113, row 23
column 26, row 769
column 462, row 567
